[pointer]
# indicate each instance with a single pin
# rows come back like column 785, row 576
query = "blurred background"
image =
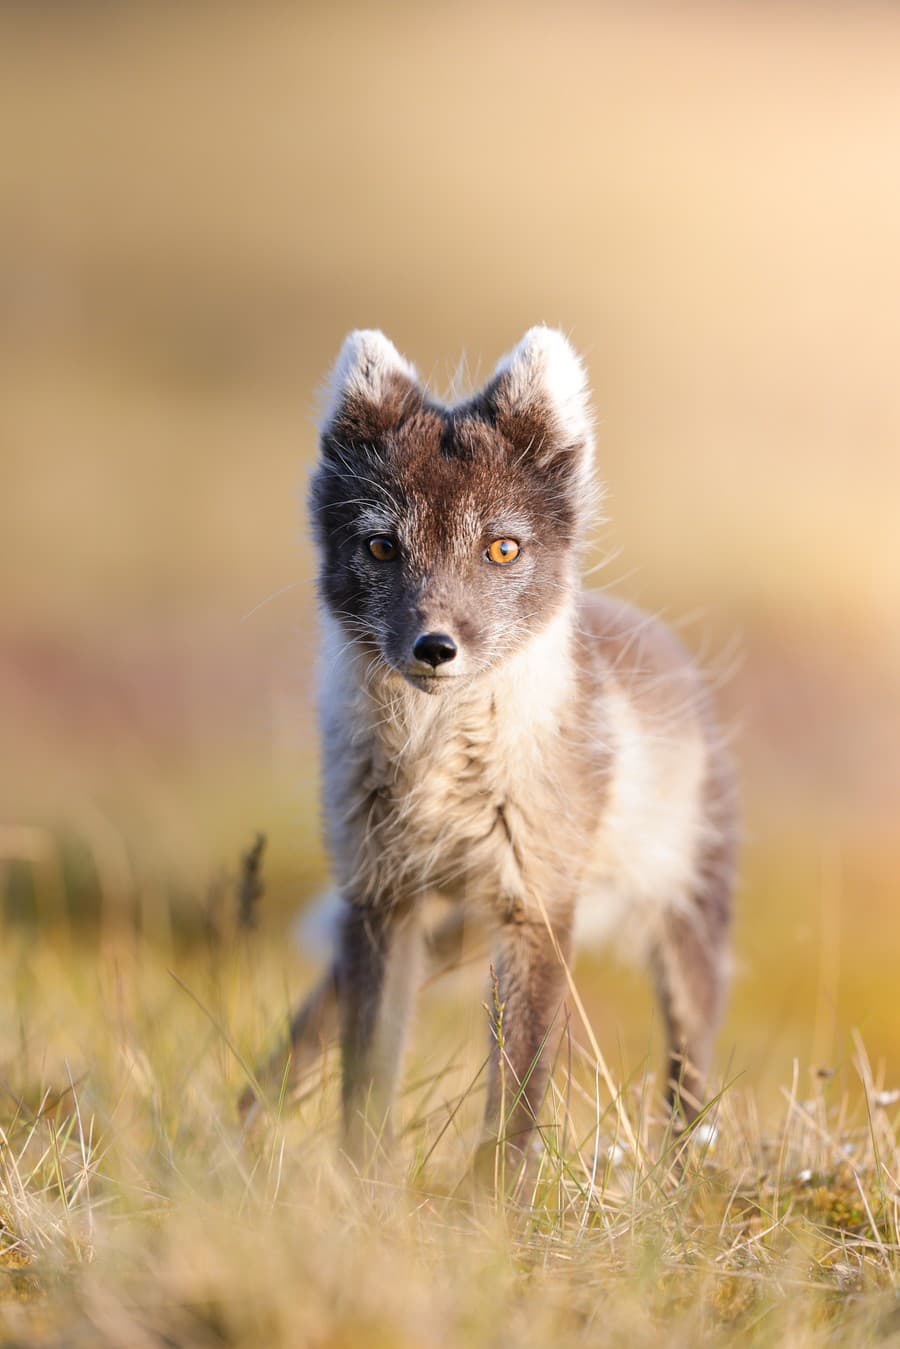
column 197, row 201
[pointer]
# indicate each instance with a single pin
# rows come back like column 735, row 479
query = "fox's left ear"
column 371, row 388
column 538, row 397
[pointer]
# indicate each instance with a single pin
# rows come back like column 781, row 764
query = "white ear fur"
column 367, row 359
column 544, row 368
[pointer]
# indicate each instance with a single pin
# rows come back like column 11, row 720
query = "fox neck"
column 527, row 691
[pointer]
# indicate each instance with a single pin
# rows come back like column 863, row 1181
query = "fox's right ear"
column 371, row 389
column 539, row 399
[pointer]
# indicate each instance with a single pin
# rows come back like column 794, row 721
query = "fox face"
column 448, row 535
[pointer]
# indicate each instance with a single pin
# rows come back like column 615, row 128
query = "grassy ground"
column 196, row 203
column 133, row 1211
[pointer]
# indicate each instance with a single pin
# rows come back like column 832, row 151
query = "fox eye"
column 503, row 550
column 382, row 548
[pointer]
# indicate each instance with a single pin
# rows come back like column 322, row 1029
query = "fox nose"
column 434, row 648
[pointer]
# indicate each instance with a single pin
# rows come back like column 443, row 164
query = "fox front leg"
column 315, row 1022
column 530, row 985
column 377, row 974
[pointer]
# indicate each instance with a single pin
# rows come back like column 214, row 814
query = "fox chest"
column 434, row 822
column 460, row 816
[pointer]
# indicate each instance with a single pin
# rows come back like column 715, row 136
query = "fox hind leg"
column 315, row 1023
column 690, row 963
column 690, row 957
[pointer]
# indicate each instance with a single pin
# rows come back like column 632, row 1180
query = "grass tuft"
column 134, row 1210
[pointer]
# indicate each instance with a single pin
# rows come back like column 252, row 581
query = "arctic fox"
column 495, row 735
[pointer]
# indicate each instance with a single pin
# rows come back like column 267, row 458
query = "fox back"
column 495, row 736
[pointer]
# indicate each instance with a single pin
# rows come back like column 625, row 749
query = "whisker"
column 282, row 590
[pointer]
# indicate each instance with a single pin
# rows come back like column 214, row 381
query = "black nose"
column 434, row 648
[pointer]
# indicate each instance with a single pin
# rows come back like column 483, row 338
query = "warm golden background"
column 198, row 201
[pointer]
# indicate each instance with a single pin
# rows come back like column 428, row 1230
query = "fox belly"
column 650, row 835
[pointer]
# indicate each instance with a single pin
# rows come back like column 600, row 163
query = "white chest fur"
column 453, row 791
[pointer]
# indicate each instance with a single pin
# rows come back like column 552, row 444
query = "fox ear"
column 371, row 388
column 539, row 400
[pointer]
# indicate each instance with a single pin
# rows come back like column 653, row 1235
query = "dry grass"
column 196, row 202
column 134, row 1212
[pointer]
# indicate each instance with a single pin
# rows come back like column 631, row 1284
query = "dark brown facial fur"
column 444, row 483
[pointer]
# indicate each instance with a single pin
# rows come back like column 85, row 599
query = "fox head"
column 448, row 536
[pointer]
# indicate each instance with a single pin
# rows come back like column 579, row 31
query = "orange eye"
column 503, row 550
column 382, row 548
